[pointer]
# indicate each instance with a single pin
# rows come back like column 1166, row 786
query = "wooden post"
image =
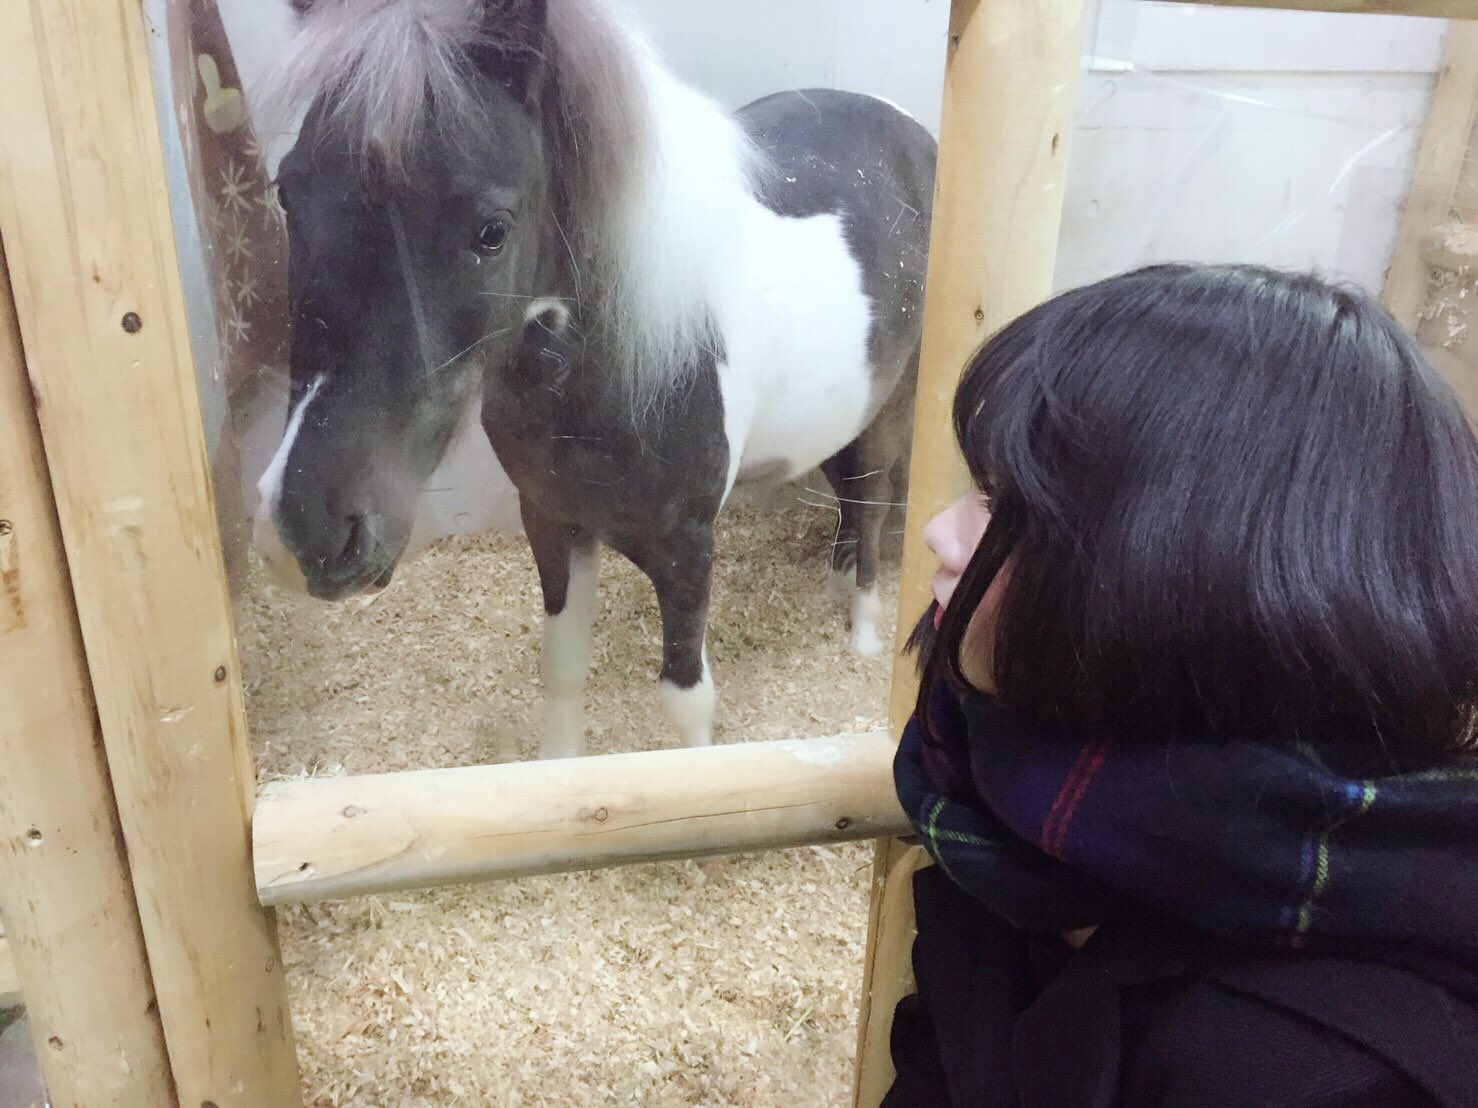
column 72, row 934
column 86, row 226
column 1435, row 172
column 1009, row 92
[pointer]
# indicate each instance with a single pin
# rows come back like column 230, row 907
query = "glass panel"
column 1225, row 135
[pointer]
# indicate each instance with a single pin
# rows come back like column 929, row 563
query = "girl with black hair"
column 1195, row 749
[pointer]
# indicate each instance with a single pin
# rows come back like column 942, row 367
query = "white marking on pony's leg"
column 866, row 608
column 564, row 660
column 264, row 534
column 553, row 315
column 841, row 583
column 691, row 710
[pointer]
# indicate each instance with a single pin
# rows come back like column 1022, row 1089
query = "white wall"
column 1220, row 134
column 739, row 52
column 1207, row 134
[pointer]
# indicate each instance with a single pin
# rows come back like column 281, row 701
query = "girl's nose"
column 955, row 532
column 934, row 534
column 943, row 536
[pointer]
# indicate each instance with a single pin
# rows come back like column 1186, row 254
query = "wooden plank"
column 86, row 226
column 342, row 836
column 1435, row 173
column 72, row 928
column 1009, row 93
column 1441, row 9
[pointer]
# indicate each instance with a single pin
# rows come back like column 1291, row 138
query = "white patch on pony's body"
column 264, row 534
column 669, row 243
column 564, row 661
column 691, row 710
column 797, row 382
column 866, row 608
column 698, row 252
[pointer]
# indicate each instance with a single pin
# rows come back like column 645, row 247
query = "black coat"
column 1151, row 1013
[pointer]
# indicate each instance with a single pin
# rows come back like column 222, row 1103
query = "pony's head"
column 415, row 204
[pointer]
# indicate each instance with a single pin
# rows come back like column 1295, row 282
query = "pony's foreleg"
column 681, row 569
column 569, row 564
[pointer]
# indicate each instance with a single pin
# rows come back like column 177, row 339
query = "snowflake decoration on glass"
column 238, row 242
column 236, row 186
column 237, row 325
column 246, row 292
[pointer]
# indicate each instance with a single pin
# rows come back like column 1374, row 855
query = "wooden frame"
column 122, row 584
column 65, row 891
column 87, row 230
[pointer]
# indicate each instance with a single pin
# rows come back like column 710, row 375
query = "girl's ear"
column 514, row 33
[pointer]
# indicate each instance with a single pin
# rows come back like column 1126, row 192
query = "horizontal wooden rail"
column 323, row 837
column 1444, row 9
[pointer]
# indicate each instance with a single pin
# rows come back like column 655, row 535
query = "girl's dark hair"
column 1239, row 503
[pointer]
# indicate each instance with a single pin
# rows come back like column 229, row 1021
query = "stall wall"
column 1209, row 134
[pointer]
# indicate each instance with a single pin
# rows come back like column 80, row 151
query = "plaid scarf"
column 1055, row 828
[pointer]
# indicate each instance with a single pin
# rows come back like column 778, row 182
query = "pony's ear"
column 514, row 33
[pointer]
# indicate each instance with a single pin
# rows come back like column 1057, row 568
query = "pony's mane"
column 647, row 173
column 386, row 72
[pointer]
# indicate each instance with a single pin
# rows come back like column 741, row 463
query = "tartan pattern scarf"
column 1056, row 828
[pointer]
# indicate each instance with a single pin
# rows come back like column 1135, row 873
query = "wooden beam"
column 1435, row 173
column 316, row 838
column 86, row 226
column 73, row 943
column 1009, row 94
column 1441, row 9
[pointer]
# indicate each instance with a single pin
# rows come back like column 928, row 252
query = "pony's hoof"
column 865, row 641
column 866, row 607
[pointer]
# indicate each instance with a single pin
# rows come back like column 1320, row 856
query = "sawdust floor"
column 724, row 982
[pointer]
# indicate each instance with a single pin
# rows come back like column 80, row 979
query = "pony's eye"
column 494, row 235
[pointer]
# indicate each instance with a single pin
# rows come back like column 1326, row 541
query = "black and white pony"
column 514, row 203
